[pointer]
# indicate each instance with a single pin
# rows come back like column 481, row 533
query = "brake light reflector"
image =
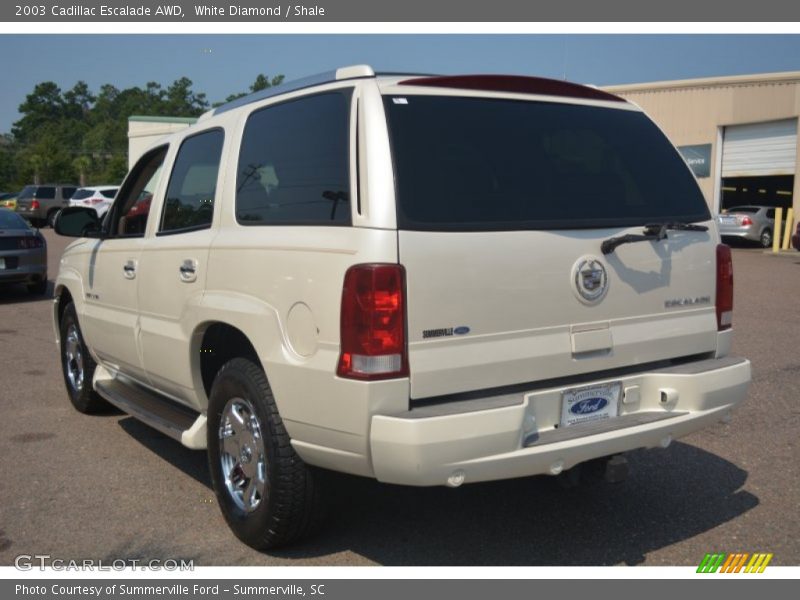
column 746, row 220
column 724, row 288
column 373, row 323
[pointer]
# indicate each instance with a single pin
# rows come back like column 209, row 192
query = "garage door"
column 760, row 149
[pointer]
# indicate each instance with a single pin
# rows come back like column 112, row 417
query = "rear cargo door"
column 502, row 209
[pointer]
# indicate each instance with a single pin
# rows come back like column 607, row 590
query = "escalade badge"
column 590, row 279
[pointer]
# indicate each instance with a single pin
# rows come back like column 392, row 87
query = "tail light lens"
column 724, row 288
column 373, row 323
column 34, row 204
column 746, row 220
column 94, row 200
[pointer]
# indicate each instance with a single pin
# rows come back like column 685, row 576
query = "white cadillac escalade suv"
column 426, row 280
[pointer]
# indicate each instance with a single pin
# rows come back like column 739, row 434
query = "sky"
column 223, row 64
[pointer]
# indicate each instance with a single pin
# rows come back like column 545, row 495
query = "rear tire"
column 37, row 289
column 266, row 492
column 77, row 365
column 766, row 239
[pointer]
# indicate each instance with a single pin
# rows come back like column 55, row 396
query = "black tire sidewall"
column 83, row 400
column 236, row 380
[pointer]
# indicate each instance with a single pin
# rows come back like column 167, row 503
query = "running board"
column 170, row 418
column 564, row 434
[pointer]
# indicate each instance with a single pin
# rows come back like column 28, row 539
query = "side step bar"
column 158, row 412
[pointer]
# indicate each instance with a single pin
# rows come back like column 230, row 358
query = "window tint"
column 128, row 214
column 744, row 209
column 293, row 165
column 189, row 202
column 67, row 192
column 82, row 193
column 11, row 220
column 44, row 192
column 771, row 213
column 109, row 193
column 477, row 164
column 27, row 192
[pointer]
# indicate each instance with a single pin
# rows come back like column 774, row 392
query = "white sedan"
column 97, row 197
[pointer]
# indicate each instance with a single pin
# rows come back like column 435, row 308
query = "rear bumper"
column 24, row 266
column 749, row 232
column 521, row 440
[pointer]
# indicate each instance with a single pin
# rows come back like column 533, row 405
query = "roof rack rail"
column 352, row 72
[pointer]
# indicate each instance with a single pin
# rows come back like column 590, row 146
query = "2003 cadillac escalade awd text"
column 426, row 280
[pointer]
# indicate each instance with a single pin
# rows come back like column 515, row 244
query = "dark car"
column 796, row 237
column 23, row 253
column 40, row 203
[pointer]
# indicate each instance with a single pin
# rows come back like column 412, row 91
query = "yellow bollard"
column 787, row 233
column 776, row 233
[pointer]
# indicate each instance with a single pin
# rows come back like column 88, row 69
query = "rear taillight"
column 94, row 200
column 34, row 204
column 745, row 220
column 724, row 288
column 373, row 323
column 28, row 243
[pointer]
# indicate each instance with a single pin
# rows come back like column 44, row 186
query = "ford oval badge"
column 588, row 406
column 461, row 330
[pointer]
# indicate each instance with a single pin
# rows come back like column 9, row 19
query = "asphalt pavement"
column 108, row 487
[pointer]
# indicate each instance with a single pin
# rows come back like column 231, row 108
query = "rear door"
column 173, row 264
column 502, row 209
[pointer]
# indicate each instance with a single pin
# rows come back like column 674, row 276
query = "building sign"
column 698, row 158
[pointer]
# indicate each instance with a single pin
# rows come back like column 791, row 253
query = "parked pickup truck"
column 427, row 280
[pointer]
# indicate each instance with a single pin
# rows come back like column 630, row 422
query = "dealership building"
column 738, row 134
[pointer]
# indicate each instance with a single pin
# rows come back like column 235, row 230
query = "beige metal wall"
column 694, row 110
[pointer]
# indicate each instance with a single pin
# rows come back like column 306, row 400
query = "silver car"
column 751, row 223
column 23, row 253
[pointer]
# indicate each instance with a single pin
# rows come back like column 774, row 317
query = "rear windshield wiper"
column 653, row 232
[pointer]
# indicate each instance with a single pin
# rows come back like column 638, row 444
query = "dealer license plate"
column 590, row 403
column 727, row 220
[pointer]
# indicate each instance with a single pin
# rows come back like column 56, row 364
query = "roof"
column 758, row 78
column 188, row 120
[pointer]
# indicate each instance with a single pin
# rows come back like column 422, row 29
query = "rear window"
column 67, row 192
column 27, row 192
column 471, row 164
column 109, row 193
column 11, row 220
column 744, row 209
column 82, row 193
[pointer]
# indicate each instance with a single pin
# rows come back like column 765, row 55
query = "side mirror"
column 77, row 221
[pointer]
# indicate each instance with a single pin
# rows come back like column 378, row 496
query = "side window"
column 67, row 192
column 128, row 214
column 294, row 163
column 189, row 203
column 46, row 193
column 771, row 213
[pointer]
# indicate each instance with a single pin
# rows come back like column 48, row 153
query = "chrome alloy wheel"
column 242, row 454
column 73, row 358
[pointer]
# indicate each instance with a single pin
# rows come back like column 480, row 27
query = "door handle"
column 188, row 270
column 129, row 269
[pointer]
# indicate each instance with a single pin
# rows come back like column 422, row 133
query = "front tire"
column 266, row 492
column 77, row 365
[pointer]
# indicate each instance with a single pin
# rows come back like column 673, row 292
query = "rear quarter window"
column 294, row 163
